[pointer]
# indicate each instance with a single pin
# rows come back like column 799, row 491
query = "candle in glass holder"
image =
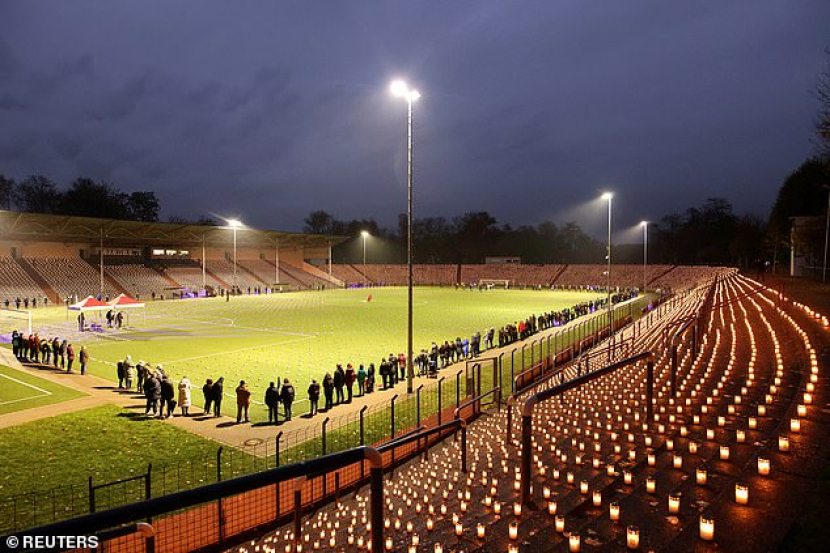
column 546, row 492
column 597, row 498
column 389, row 544
column 795, row 425
column 438, row 548
column 459, row 529
column 416, row 540
column 614, row 511
column 677, row 461
column 801, row 410
column 517, row 509
column 753, row 423
column 762, row 410
column 707, row 528
column 552, row 507
column 651, row 484
column 513, row 531
column 740, row 436
column 724, row 452
column 488, row 501
column 763, row 466
column 628, row 477
column 700, row 476
column 583, row 487
column 573, row 542
column 741, row 494
column 512, row 548
column 429, row 524
column 783, row 443
column 652, row 459
column 710, row 434
column 480, row 531
column 497, row 507
column 632, row 535
column 559, row 523
column 674, row 503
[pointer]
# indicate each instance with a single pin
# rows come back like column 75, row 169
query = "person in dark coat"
column 152, row 392
column 313, row 396
column 328, row 391
column 218, row 392
column 272, row 401
column 243, row 401
column 370, row 379
column 339, row 381
column 70, row 357
column 168, row 394
column 287, row 398
column 207, row 391
column 361, row 381
column 349, row 379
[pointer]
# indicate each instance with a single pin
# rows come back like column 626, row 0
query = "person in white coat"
column 184, row 396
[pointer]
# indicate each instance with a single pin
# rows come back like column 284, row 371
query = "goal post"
column 495, row 282
column 15, row 319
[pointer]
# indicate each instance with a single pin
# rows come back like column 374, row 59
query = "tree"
column 823, row 116
column 319, row 222
column 143, row 206
column 6, row 191
column 86, row 198
column 37, row 194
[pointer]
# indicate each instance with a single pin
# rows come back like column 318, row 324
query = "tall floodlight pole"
column 101, row 260
column 609, row 196
column 364, row 234
column 401, row 90
column 826, row 236
column 234, row 225
column 644, row 224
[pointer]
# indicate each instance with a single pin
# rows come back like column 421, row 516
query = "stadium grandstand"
column 59, row 257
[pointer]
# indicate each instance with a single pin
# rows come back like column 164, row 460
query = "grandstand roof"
column 63, row 228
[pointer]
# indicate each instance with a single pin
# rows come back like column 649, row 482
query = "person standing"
column 83, row 357
column 313, row 396
column 152, row 392
column 129, row 374
column 287, row 398
column 328, row 391
column 370, row 379
column 361, row 380
column 70, row 357
column 272, row 401
column 207, row 392
column 349, row 379
column 339, row 381
column 185, row 396
column 168, row 393
column 217, row 392
column 243, row 401
column 56, row 349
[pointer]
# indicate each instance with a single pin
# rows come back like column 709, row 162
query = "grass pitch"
column 300, row 335
column 20, row 390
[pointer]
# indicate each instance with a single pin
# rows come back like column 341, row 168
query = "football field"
column 298, row 335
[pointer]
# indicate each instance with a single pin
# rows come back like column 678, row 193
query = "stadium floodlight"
column 234, row 224
column 609, row 196
column 365, row 235
column 644, row 224
column 401, row 90
column 826, row 236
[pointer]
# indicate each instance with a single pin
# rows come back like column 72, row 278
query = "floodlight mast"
column 644, row 224
column 234, row 224
column 609, row 196
column 364, row 234
column 399, row 89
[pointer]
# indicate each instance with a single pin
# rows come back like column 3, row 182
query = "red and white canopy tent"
column 124, row 301
column 89, row 304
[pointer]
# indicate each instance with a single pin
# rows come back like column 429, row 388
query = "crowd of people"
column 56, row 352
column 25, row 302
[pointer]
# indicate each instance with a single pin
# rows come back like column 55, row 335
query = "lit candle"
column 795, row 425
column 497, row 507
column 438, row 548
column 389, row 544
column 741, row 436
column 651, row 484
column 546, row 492
column 573, row 542
column 707, row 528
column 409, row 526
column 429, row 524
column 783, row 443
column 762, row 410
column 701, row 477
column 724, row 452
column 459, row 529
column 741, row 494
column 614, row 511
column 512, row 548
column 633, row 537
column 597, row 498
column 753, row 423
column 583, row 487
column 674, row 503
column 552, row 507
column 488, row 501
column 517, row 509
column 652, row 459
column 480, row 531
column 513, row 531
column 559, row 523
column 416, row 540
column 763, row 466
column 677, row 461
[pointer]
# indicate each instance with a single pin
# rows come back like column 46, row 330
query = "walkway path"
column 222, row 429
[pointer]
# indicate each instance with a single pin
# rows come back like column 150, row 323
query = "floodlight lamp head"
column 364, row 233
column 607, row 195
column 234, row 223
column 398, row 88
column 643, row 223
column 413, row 95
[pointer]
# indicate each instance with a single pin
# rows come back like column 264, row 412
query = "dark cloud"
column 529, row 110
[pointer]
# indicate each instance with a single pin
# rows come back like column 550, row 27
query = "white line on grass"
column 27, row 398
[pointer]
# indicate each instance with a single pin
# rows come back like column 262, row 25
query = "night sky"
column 269, row 110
